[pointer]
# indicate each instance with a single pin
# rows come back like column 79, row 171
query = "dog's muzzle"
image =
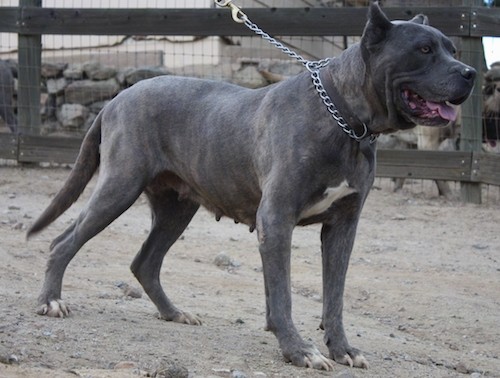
column 424, row 106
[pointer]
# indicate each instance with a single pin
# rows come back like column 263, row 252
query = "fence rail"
column 453, row 21
column 476, row 167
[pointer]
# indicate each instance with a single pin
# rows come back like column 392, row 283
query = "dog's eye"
column 425, row 49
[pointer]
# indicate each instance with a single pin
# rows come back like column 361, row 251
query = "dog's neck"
column 357, row 90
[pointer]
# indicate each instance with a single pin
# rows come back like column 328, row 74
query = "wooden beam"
column 486, row 168
column 453, row 21
column 33, row 148
column 8, row 146
column 432, row 165
column 485, row 22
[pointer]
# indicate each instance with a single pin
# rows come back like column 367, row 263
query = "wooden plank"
column 35, row 148
column 486, row 168
column 434, row 165
column 217, row 21
column 9, row 17
column 8, row 146
column 485, row 22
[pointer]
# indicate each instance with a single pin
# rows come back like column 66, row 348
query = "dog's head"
column 412, row 69
column 491, row 92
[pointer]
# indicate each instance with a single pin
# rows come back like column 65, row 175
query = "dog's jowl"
column 271, row 158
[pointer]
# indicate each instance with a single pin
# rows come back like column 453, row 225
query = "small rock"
column 51, row 70
column 223, row 260
column 221, row 371
column 56, row 86
column 72, row 116
column 133, row 292
column 130, row 291
column 73, row 72
column 85, row 92
column 125, row 365
column 480, row 247
column 399, row 217
column 345, row 374
column 461, row 368
column 238, row 374
column 135, row 75
column 317, row 298
column 97, row 71
column 18, row 226
column 170, row 369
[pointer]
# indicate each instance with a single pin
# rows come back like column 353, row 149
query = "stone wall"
column 73, row 94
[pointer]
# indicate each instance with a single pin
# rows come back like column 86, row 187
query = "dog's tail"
column 85, row 166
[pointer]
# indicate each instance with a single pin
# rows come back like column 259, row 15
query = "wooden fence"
column 469, row 166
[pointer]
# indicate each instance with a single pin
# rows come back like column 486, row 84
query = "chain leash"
column 312, row 66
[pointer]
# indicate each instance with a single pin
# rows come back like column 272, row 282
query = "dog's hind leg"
column 108, row 201
column 171, row 216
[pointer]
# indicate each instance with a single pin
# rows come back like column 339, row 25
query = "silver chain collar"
column 312, row 66
column 332, row 109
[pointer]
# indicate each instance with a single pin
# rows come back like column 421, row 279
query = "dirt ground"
column 422, row 296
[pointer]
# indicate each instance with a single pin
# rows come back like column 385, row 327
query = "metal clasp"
column 236, row 12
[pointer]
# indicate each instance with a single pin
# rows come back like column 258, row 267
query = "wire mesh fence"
column 79, row 74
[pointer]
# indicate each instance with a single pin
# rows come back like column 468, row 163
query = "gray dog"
column 271, row 158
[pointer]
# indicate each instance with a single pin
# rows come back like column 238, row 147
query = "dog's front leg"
column 337, row 239
column 275, row 234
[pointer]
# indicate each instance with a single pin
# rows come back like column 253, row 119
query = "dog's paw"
column 352, row 358
column 310, row 357
column 55, row 308
column 184, row 318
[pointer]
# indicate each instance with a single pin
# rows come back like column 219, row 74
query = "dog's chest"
column 330, row 195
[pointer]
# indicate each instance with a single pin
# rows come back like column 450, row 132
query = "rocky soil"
column 422, row 296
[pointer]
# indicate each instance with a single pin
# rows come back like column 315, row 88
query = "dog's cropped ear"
column 377, row 27
column 420, row 19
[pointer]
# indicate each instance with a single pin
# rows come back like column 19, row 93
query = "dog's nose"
column 468, row 73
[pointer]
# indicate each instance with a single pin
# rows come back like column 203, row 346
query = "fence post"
column 29, row 70
column 471, row 135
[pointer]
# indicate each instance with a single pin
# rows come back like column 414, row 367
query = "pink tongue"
column 445, row 111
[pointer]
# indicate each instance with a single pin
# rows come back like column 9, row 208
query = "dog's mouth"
column 426, row 112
